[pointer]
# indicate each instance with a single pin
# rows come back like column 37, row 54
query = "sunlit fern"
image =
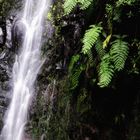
column 69, row 5
column 105, row 72
column 119, row 52
column 91, row 37
column 84, row 4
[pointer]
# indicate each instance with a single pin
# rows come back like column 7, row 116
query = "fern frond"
column 119, row 52
column 90, row 59
column 84, row 4
column 69, row 6
column 125, row 2
column 99, row 48
column 74, row 78
column 91, row 37
column 106, row 71
column 74, row 59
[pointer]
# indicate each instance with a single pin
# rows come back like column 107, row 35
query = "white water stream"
column 26, row 67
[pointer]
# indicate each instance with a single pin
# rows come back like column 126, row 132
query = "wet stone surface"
column 6, row 61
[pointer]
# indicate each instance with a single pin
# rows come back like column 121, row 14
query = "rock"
column 2, row 32
column 2, row 54
column 1, row 36
column 9, row 33
column 43, row 137
column 6, row 63
column 2, row 109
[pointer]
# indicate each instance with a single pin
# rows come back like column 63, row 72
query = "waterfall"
column 26, row 67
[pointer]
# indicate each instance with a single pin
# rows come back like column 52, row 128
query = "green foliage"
column 90, row 62
column 125, row 2
column 119, row 53
column 106, row 71
column 111, row 61
column 91, row 37
column 101, row 56
column 112, row 56
column 69, row 5
column 74, row 60
column 109, row 9
column 99, row 48
column 85, row 3
column 114, row 60
column 74, row 71
column 74, row 77
column 109, row 14
column 107, row 40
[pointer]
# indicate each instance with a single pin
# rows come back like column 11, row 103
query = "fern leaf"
column 69, row 6
column 74, row 78
column 74, row 59
column 84, row 4
column 90, row 59
column 119, row 52
column 91, row 37
column 125, row 2
column 99, row 48
column 106, row 71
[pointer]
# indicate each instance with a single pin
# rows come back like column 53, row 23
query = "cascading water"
column 25, row 69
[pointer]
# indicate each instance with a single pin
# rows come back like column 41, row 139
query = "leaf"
column 69, row 6
column 99, row 48
column 74, row 77
column 105, row 43
column 84, row 4
column 106, row 71
column 119, row 53
column 91, row 37
column 74, row 59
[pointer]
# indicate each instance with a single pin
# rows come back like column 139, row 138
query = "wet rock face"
column 6, row 61
column 8, row 33
column 2, row 32
column 1, row 36
column 17, row 33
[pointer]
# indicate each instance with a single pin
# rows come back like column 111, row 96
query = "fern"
column 74, row 77
column 74, row 60
column 84, row 4
column 119, row 52
column 106, row 71
column 69, row 5
column 118, row 55
column 91, row 37
column 125, row 2
column 99, row 48
column 90, row 62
